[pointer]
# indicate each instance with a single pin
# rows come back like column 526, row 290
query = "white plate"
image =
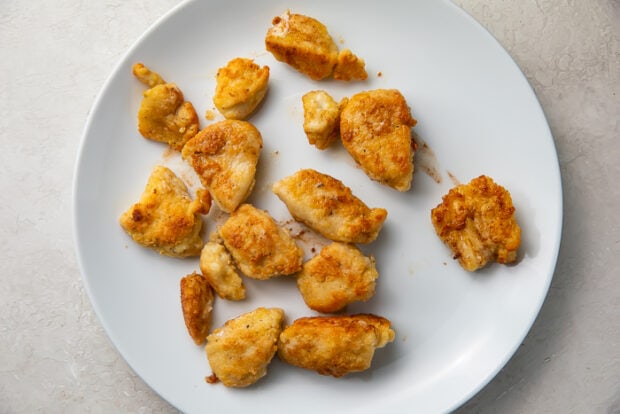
column 477, row 114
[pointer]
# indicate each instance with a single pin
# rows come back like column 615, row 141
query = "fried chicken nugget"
column 375, row 128
column 339, row 275
column 477, row 222
column 349, row 67
column 217, row 266
column 240, row 351
column 334, row 345
column 321, row 118
column 240, row 86
column 327, row 206
column 304, row 43
column 164, row 115
column 260, row 248
column 165, row 219
column 225, row 155
column 197, row 304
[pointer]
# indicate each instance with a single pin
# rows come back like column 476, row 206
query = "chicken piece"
column 197, row 304
column 477, row 222
column 225, row 155
column 375, row 127
column 165, row 219
column 334, row 345
column 164, row 115
column 217, row 267
column 240, row 86
column 349, row 67
column 340, row 274
column 304, row 43
column 321, row 118
column 240, row 351
column 147, row 76
column 327, row 206
column 260, row 248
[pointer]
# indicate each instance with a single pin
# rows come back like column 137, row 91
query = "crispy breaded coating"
column 260, row 247
column 340, row 274
column 240, row 351
column 334, row 345
column 375, row 127
column 225, row 155
column 164, row 115
column 477, row 222
column 304, row 43
column 197, row 304
column 327, row 206
column 349, row 67
column 217, row 267
column 240, row 86
column 146, row 75
column 165, row 219
column 321, row 118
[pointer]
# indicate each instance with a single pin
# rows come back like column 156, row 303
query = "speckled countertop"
column 54, row 354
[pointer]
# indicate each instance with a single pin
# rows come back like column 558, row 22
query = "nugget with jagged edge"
column 240, row 87
column 477, row 221
column 165, row 218
column 164, row 114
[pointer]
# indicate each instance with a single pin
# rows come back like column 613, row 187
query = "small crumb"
column 276, row 152
column 210, row 115
column 445, row 263
column 212, row 379
column 379, row 74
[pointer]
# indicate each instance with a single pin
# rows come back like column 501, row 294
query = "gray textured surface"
column 54, row 355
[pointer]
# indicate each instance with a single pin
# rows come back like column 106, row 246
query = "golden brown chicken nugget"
column 197, row 304
column 321, row 118
column 260, row 247
column 334, row 345
column 217, row 266
column 225, row 155
column 329, row 207
column 240, row 86
column 349, row 67
column 304, row 43
column 165, row 219
column 375, row 128
column 240, row 351
column 339, row 275
column 477, row 222
column 164, row 115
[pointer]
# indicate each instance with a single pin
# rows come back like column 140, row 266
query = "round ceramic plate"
column 476, row 115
